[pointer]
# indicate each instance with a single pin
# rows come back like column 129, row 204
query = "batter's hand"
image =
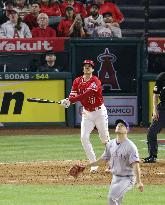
column 140, row 186
column 65, row 103
column 76, row 170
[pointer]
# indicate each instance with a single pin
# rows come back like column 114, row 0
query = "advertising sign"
column 118, row 107
column 15, row 108
column 156, row 45
column 32, row 44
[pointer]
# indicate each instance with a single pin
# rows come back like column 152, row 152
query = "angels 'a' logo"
column 107, row 73
column 93, row 85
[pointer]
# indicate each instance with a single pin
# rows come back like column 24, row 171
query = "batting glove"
column 65, row 103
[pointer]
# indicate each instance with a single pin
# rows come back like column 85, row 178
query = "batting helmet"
column 89, row 62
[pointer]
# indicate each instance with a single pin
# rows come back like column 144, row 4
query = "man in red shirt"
column 43, row 30
column 88, row 90
column 31, row 19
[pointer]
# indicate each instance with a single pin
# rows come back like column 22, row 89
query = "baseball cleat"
column 150, row 159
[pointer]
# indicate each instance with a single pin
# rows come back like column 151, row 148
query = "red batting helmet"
column 89, row 62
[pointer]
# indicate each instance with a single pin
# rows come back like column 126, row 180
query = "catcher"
column 124, row 159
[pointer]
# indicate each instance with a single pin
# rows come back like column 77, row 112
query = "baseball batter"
column 124, row 160
column 88, row 90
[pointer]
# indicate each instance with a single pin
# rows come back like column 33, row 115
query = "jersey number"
column 91, row 100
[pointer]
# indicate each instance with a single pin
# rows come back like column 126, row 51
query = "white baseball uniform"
column 121, row 156
column 89, row 93
column 90, row 26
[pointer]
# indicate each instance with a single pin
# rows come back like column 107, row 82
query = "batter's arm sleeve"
column 74, row 90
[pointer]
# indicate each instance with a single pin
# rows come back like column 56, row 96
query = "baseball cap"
column 123, row 122
column 95, row 5
column 107, row 14
column 50, row 52
column 89, row 62
column 69, row 7
column 13, row 10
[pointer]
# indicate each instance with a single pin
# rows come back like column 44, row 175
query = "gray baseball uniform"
column 121, row 156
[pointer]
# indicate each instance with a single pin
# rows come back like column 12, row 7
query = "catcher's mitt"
column 76, row 170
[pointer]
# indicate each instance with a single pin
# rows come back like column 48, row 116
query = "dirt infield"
column 56, row 172
column 52, row 130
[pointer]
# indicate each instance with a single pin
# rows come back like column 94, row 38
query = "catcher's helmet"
column 89, row 62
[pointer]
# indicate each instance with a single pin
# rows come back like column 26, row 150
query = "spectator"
column 31, row 18
column 65, row 24
column 93, row 21
column 9, row 5
column 109, row 28
column 50, row 7
column 22, row 8
column 78, row 7
column 76, row 29
column 50, row 65
column 107, row 6
column 43, row 30
column 15, row 28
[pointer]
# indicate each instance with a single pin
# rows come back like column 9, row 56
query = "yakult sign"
column 32, row 45
column 26, row 46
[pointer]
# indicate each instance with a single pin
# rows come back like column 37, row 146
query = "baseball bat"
column 39, row 100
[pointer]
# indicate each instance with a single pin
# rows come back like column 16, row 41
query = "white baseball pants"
column 98, row 118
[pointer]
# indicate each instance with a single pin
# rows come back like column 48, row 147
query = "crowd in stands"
column 69, row 18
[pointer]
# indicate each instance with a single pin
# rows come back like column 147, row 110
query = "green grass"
column 152, row 195
column 75, row 195
column 45, row 148
column 58, row 147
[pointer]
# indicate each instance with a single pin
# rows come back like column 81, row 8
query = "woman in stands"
column 65, row 24
column 72, row 25
column 15, row 28
column 77, row 5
